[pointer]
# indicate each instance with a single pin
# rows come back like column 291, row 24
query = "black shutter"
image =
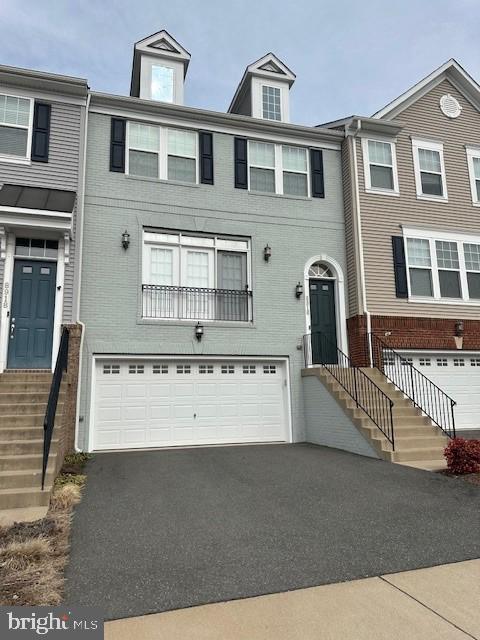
column 316, row 168
column 206, row 157
column 41, row 132
column 117, row 145
column 241, row 163
column 400, row 267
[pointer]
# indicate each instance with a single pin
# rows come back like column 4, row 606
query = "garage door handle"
column 194, row 415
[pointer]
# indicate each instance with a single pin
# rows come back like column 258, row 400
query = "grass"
column 33, row 555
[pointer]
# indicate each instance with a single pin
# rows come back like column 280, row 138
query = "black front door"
column 323, row 321
column 32, row 315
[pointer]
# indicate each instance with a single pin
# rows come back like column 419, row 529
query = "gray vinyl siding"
column 60, row 172
column 296, row 229
column 350, row 245
column 382, row 216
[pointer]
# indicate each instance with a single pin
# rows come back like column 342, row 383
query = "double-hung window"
column 473, row 159
column 443, row 267
column 161, row 152
column 271, row 103
column 276, row 168
column 429, row 169
column 162, row 83
column 380, row 166
column 15, row 127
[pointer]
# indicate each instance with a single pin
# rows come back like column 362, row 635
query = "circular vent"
column 450, row 106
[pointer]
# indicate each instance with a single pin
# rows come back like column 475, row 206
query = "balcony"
column 192, row 303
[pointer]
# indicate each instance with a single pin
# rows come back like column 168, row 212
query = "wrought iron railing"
column 194, row 303
column 49, row 421
column 425, row 394
column 368, row 397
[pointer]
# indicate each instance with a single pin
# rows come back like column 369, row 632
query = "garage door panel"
column 160, row 411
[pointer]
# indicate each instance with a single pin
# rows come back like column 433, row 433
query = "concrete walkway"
column 438, row 603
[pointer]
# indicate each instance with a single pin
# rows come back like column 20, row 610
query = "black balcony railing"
column 194, row 303
column 433, row 401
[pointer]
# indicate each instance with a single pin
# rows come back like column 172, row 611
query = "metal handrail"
column 368, row 396
column 425, row 394
column 51, row 411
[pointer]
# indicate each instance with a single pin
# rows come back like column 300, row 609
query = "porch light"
column 199, row 331
column 298, row 290
column 459, row 329
column 125, row 239
column 267, row 253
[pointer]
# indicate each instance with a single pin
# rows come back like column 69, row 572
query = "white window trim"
column 20, row 159
column 473, row 151
column 279, row 170
column 366, row 164
column 162, row 153
column 460, row 240
column 422, row 143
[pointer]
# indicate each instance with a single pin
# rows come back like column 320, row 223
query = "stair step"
column 26, row 497
column 427, row 465
column 25, row 387
column 28, row 420
column 419, row 442
column 407, row 455
column 26, row 408
column 12, row 462
column 24, row 397
column 19, row 376
column 20, row 433
column 24, row 447
column 24, row 478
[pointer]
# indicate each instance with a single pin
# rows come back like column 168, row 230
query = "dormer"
column 263, row 91
column 159, row 68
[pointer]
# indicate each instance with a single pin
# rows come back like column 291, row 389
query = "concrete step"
column 427, row 465
column 24, row 387
column 15, row 462
column 406, row 431
column 24, row 447
column 27, row 376
column 24, row 420
column 20, row 433
column 24, row 478
column 419, row 442
column 26, row 497
column 25, row 408
column 25, row 397
column 407, row 455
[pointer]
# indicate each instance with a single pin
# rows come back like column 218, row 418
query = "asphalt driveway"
column 162, row 530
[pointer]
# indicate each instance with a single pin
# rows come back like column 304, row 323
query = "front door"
column 32, row 315
column 323, row 321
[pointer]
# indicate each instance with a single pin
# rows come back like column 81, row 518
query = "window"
column 15, row 127
column 184, row 368
column 442, row 362
column 425, row 362
column 429, row 170
column 228, row 368
column 448, row 269
column 159, row 152
column 160, row 368
column 205, row 368
column 420, row 267
column 473, row 159
column 458, row 362
column 249, row 368
column 162, row 83
column 136, row 368
column 36, row 248
column 472, row 266
column 380, row 166
column 271, row 106
column 280, row 169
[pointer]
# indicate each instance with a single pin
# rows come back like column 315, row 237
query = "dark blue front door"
column 323, row 321
column 31, row 315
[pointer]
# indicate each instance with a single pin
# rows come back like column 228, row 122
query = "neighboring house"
column 412, row 198
column 212, row 243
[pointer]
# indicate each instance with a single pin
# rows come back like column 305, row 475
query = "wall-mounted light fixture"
column 199, row 331
column 125, row 239
column 267, row 253
column 459, row 329
column 299, row 290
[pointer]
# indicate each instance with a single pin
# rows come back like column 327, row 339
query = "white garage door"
column 458, row 375
column 146, row 403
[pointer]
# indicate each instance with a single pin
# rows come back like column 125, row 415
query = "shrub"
column 463, row 456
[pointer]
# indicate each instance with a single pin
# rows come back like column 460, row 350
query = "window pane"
column 381, row 177
column 14, row 110
column 143, row 136
column 22, row 246
column 477, row 184
column 432, row 184
column 429, row 160
column 183, row 169
column 232, row 270
column 182, row 143
column 262, row 180
column 51, row 248
column 13, row 142
column 294, row 159
column 449, row 284
column 162, row 83
column 447, row 254
column 161, row 266
column 271, row 103
column 379, row 152
column 295, row 184
column 418, row 252
column 421, row 282
column 474, row 285
column 37, row 248
column 262, row 153
column 143, row 164
column 197, row 269
column 472, row 256
column 476, row 168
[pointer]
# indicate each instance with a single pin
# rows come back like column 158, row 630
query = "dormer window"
column 271, row 103
column 162, row 83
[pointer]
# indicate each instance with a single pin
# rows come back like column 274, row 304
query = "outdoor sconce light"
column 125, row 239
column 459, row 329
column 267, row 253
column 199, row 331
column 298, row 290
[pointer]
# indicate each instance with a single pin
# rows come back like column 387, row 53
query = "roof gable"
column 162, row 43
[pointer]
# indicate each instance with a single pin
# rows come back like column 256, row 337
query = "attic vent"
column 163, row 44
column 269, row 66
column 450, row 106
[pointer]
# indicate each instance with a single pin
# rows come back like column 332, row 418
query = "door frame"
column 8, row 287
column 339, row 293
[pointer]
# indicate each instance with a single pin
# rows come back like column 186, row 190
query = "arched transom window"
column 320, row 270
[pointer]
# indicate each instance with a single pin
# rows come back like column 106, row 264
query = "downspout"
column 358, row 224
column 79, row 270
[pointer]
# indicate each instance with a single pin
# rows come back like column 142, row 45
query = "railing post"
column 356, row 384
column 411, row 382
column 391, row 426
column 452, row 404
